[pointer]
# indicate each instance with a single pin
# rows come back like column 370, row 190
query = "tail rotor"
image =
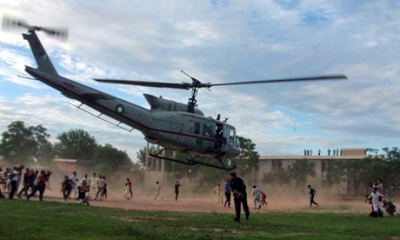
column 11, row 23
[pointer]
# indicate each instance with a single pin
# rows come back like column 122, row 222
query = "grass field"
column 50, row 220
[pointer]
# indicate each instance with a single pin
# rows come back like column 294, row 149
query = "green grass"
column 50, row 220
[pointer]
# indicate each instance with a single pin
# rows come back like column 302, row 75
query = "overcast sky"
column 219, row 41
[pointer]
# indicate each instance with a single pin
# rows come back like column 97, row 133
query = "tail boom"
column 42, row 59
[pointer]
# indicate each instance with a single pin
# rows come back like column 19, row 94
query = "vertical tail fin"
column 42, row 59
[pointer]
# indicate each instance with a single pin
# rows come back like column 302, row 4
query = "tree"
column 75, row 144
column 386, row 167
column 248, row 160
column 335, row 171
column 175, row 170
column 109, row 158
column 22, row 144
column 300, row 170
column 277, row 177
column 153, row 162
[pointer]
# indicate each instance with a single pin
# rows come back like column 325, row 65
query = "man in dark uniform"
column 312, row 193
column 238, row 187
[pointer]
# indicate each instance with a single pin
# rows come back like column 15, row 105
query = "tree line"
column 24, row 144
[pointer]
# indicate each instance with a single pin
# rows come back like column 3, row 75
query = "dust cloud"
column 278, row 200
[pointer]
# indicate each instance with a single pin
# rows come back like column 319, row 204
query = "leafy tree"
column 103, row 168
column 176, row 170
column 366, row 171
column 336, row 169
column 75, row 144
column 152, row 162
column 22, row 144
column 109, row 156
column 277, row 177
column 300, row 170
column 211, row 176
column 248, row 160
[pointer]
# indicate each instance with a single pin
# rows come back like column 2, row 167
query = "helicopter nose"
column 234, row 151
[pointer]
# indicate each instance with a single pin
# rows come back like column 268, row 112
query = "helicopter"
column 172, row 125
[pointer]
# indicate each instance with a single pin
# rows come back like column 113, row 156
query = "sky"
column 218, row 41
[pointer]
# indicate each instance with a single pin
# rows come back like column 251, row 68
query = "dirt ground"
column 192, row 203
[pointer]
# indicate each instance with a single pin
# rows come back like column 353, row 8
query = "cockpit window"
column 232, row 136
column 194, row 127
column 208, row 130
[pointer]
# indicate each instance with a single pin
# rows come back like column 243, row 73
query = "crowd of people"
column 33, row 182
column 335, row 152
column 95, row 188
column 86, row 189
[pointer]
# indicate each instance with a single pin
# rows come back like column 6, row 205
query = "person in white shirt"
column 256, row 196
column 158, row 190
column 376, row 206
column 75, row 180
column 100, row 187
column 218, row 191
column 379, row 188
column 14, row 177
column 93, row 185
column 126, row 191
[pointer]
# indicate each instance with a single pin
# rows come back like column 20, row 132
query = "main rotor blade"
column 208, row 85
column 186, row 86
column 316, row 78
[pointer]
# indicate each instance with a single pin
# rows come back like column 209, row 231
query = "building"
column 276, row 163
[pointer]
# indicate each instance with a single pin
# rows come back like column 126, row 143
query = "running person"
column 227, row 188
column 67, row 185
column 312, row 193
column 129, row 184
column 82, row 190
column 218, row 191
column 377, row 209
column 256, row 196
column 126, row 191
column 74, row 187
column 157, row 188
column 263, row 198
column 177, row 185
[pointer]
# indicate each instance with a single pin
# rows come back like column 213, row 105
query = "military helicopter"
column 172, row 125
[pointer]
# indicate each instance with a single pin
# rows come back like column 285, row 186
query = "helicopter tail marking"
column 97, row 96
column 42, row 59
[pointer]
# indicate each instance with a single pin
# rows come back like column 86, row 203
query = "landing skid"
column 192, row 161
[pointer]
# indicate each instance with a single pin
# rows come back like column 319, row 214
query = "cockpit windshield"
column 232, row 136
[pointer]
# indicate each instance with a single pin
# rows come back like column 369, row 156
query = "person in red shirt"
column 40, row 184
column 128, row 181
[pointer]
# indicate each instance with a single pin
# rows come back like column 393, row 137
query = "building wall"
column 270, row 163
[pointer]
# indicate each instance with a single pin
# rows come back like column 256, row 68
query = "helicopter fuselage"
column 166, row 123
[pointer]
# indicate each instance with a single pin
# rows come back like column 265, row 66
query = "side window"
column 208, row 130
column 231, row 136
column 197, row 128
column 194, row 127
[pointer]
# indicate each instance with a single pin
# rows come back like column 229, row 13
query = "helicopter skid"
column 192, row 161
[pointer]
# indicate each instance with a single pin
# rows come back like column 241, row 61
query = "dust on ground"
column 192, row 203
